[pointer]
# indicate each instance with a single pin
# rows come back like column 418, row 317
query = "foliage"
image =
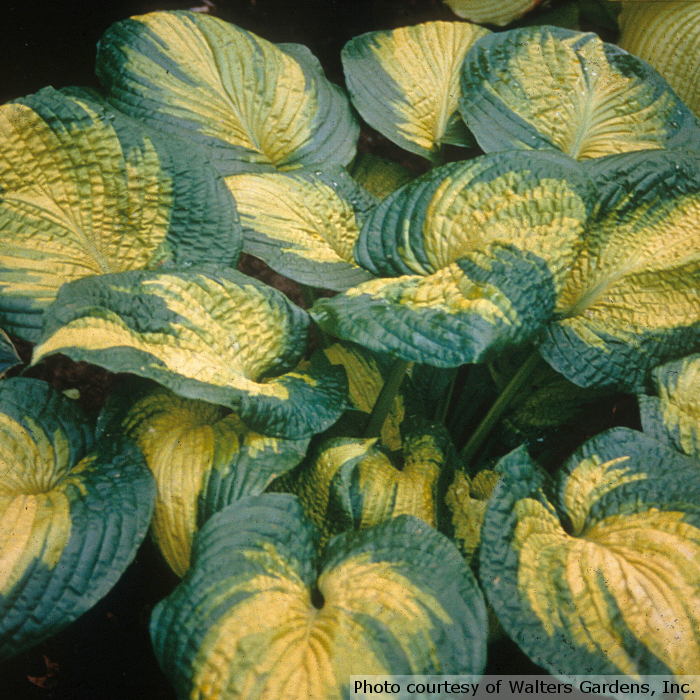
column 349, row 465
column 571, row 573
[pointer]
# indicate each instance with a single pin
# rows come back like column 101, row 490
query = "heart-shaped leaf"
column 405, row 82
column 603, row 577
column 607, row 285
column 546, row 87
column 202, row 458
column 482, row 248
column 393, row 599
column 630, row 300
column 87, row 191
column 72, row 512
column 242, row 97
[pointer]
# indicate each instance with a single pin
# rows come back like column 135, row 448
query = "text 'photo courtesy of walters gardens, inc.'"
column 577, row 687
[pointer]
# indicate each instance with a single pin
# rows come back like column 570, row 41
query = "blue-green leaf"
column 402, row 589
column 229, row 90
column 72, row 512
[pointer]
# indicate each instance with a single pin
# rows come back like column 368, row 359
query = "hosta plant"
column 357, row 475
column 604, row 562
column 374, row 601
column 74, row 511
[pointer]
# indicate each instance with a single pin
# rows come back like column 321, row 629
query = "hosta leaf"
column 667, row 36
column 467, row 500
column 524, row 200
column 405, row 82
column 304, row 224
column 430, row 319
column 8, row 355
column 397, row 598
column 202, row 458
column 674, row 415
column 546, row 87
column 498, row 12
column 378, row 175
column 609, row 280
column 630, row 301
column 214, row 334
column 605, row 577
column 482, row 248
column 349, row 483
column 240, row 96
column 86, row 191
column 72, row 512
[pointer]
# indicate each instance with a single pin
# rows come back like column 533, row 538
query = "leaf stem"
column 499, row 407
column 445, row 401
column 437, row 157
column 385, row 399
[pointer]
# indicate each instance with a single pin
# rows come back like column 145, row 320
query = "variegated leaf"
column 86, row 191
column 499, row 12
column 212, row 334
column 630, row 300
column 242, row 97
column 667, row 36
column 467, row 500
column 72, row 512
column 367, row 373
column 604, row 576
column 202, row 458
column 546, row 87
column 304, row 224
column 254, row 585
column 674, row 415
column 482, row 247
column 405, row 82
column 8, row 354
column 349, row 483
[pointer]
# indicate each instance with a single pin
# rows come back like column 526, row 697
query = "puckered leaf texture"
column 397, row 598
column 73, row 512
column 86, row 191
column 546, row 87
column 673, row 416
column 238, row 95
column 597, row 262
column 599, row 571
column 202, row 458
column 630, row 300
column 481, row 249
column 304, row 223
column 208, row 333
